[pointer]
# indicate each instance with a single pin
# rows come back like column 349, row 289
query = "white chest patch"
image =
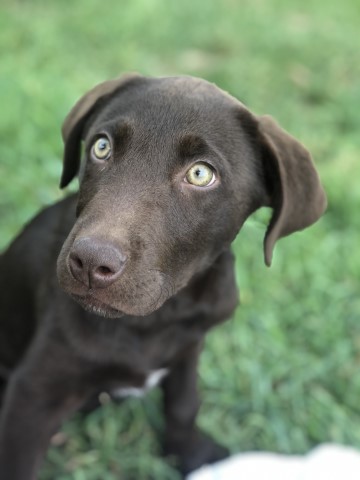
column 151, row 381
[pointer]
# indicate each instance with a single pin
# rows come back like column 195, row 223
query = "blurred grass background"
column 283, row 374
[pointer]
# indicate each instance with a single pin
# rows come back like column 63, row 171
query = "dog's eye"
column 101, row 148
column 200, row 175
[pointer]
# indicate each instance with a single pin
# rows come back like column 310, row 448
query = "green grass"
column 283, row 374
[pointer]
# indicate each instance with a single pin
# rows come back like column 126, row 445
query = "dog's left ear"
column 293, row 185
column 75, row 121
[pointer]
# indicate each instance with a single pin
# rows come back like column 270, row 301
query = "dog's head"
column 172, row 168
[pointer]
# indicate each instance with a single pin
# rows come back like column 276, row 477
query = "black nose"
column 96, row 263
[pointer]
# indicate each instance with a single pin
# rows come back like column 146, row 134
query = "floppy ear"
column 294, row 187
column 74, row 123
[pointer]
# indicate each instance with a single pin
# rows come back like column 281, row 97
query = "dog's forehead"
column 183, row 100
column 183, row 88
column 192, row 88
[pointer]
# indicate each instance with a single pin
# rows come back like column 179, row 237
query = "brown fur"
column 143, row 256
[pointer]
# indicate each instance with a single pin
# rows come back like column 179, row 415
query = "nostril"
column 78, row 268
column 78, row 263
column 75, row 261
column 104, row 275
column 105, row 271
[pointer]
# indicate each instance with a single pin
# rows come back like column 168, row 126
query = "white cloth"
column 326, row 462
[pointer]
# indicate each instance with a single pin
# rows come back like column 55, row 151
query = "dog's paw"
column 193, row 451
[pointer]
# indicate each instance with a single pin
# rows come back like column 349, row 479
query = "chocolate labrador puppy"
column 113, row 289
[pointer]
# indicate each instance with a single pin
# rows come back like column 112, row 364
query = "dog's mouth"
column 93, row 305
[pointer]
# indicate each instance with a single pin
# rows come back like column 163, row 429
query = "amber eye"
column 101, row 148
column 200, row 175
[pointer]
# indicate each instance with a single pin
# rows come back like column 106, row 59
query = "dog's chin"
column 97, row 307
column 92, row 305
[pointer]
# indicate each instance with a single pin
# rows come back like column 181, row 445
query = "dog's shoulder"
column 40, row 239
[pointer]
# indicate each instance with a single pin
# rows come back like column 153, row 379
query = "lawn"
column 284, row 373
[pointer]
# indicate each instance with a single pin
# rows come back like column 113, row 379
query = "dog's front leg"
column 191, row 447
column 39, row 396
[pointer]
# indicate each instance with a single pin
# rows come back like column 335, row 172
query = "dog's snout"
column 96, row 263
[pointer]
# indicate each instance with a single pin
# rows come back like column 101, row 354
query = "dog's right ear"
column 74, row 123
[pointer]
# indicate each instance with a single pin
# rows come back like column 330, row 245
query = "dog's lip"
column 91, row 303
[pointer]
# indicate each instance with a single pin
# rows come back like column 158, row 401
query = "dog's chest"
column 151, row 381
